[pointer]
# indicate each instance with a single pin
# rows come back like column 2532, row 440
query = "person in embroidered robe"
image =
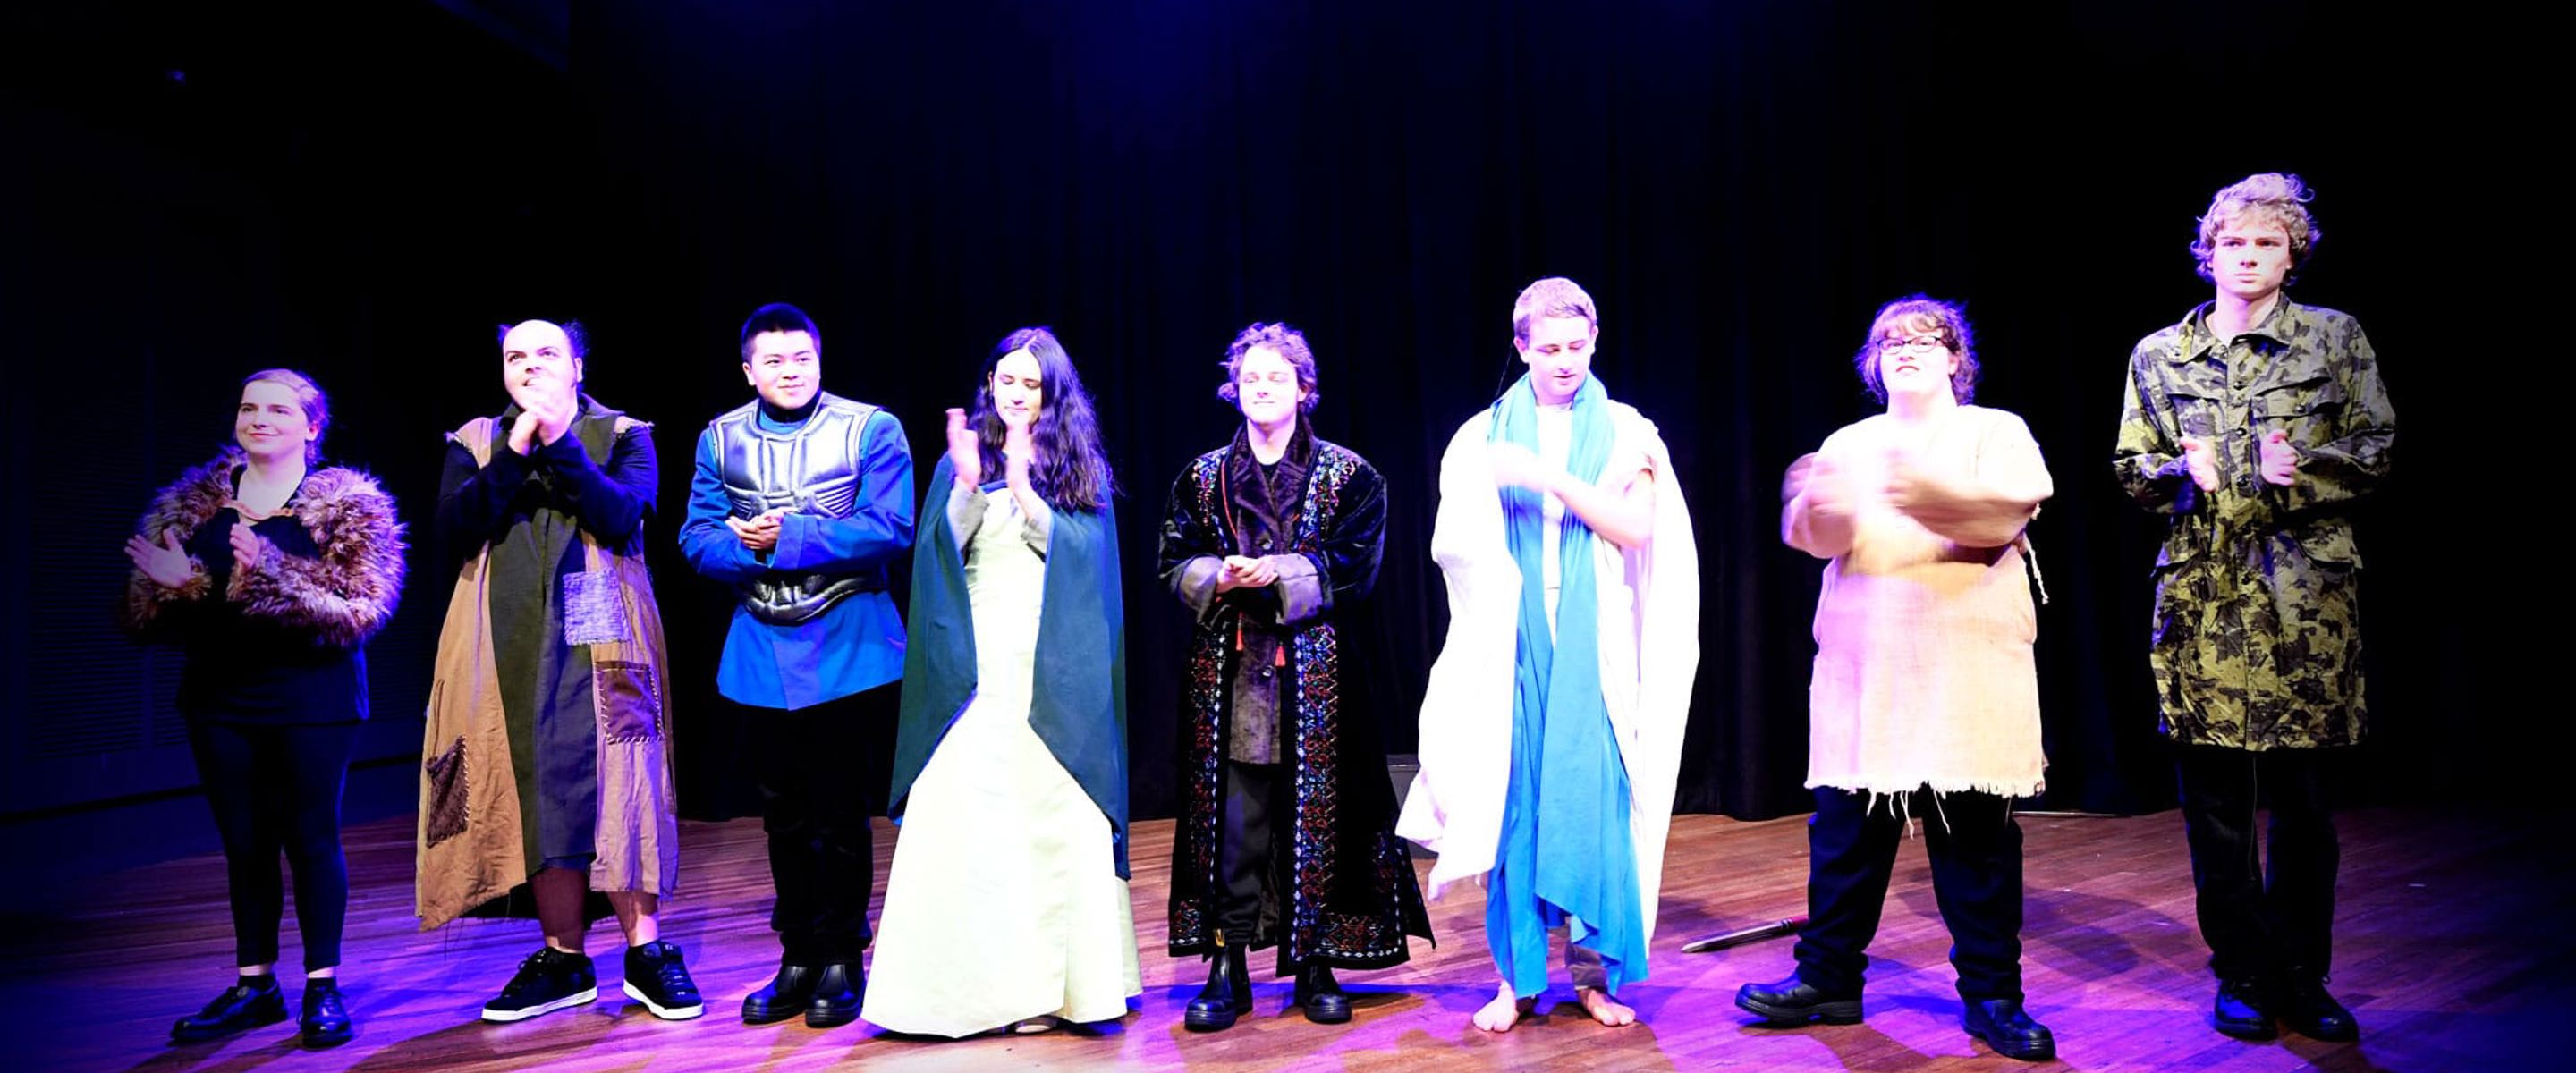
column 1286, row 830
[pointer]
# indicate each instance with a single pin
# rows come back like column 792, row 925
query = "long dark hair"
column 1069, row 471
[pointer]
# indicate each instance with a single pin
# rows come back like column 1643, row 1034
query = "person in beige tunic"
column 1924, row 699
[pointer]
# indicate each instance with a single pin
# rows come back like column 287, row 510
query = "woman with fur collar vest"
column 271, row 575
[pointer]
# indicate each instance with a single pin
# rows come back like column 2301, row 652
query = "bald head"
column 541, row 356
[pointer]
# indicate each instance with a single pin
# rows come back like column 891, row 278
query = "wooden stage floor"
column 2453, row 946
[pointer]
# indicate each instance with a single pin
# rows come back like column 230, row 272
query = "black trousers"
column 1975, row 849
column 815, row 808
column 276, row 789
column 2260, row 924
column 1249, row 854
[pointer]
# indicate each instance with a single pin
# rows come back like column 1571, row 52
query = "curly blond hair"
column 2271, row 197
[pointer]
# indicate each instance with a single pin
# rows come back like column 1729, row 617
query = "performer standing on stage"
column 547, row 757
column 1925, row 698
column 802, row 499
column 2253, row 425
column 271, row 575
column 1006, row 906
column 1552, row 727
column 1285, row 830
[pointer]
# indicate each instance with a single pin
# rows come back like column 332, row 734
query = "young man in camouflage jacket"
column 2253, row 425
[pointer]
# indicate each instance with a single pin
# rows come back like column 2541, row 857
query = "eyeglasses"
column 1921, row 344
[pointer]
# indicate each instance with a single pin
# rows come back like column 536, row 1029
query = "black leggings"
column 276, row 788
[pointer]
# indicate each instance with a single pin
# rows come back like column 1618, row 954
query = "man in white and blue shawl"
column 1552, row 726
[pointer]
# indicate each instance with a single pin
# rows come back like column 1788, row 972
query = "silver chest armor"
column 812, row 470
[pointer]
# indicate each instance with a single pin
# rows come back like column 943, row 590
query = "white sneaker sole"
column 506, row 1016
column 667, row 1013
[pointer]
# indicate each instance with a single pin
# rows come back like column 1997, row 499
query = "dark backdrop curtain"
column 1739, row 186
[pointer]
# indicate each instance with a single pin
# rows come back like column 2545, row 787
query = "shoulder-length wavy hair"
column 1291, row 345
column 1070, row 470
column 1919, row 314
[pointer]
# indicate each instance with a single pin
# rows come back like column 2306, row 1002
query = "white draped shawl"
column 1649, row 608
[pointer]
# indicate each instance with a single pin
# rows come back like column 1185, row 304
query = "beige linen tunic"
column 1923, row 672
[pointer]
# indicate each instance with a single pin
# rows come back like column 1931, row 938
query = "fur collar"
column 327, row 498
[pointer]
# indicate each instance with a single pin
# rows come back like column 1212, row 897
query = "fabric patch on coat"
column 628, row 699
column 594, row 609
column 447, row 788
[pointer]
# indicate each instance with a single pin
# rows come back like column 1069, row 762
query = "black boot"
column 2305, row 1006
column 1795, row 1002
column 2242, row 1009
column 783, row 997
column 1227, row 995
column 325, row 1022
column 1320, row 995
column 252, row 1001
column 836, row 997
column 2009, row 1029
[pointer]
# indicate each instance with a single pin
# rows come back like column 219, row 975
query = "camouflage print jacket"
column 2257, row 642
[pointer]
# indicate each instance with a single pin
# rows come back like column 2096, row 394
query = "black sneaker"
column 548, row 981
column 252, row 1001
column 656, row 978
column 326, row 1019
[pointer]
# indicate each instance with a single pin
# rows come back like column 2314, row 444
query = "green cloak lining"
column 1079, row 696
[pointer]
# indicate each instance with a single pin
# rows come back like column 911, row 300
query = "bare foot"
column 1603, row 1008
column 1506, row 1010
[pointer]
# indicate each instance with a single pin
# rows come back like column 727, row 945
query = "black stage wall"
column 364, row 191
